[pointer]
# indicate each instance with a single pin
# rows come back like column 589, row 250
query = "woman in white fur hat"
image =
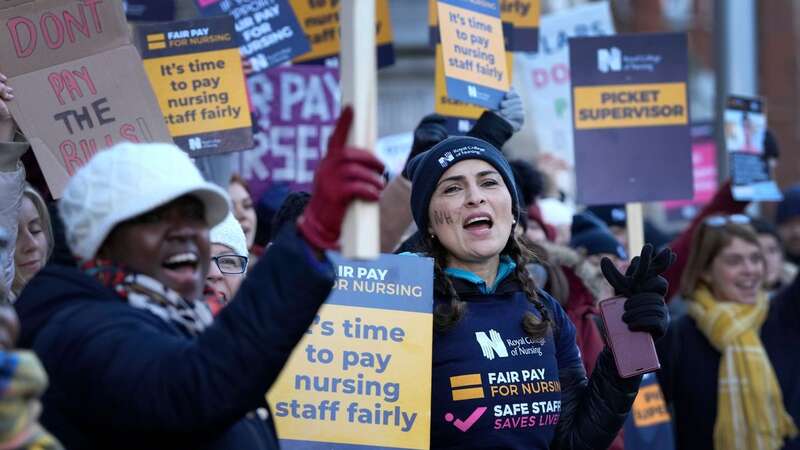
column 135, row 359
column 229, row 259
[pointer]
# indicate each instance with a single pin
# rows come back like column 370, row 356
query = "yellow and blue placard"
column 473, row 52
column 196, row 72
column 631, row 118
column 460, row 116
column 320, row 22
column 361, row 377
column 520, row 24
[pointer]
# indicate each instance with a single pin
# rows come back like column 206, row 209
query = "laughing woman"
column 507, row 373
column 729, row 390
column 134, row 357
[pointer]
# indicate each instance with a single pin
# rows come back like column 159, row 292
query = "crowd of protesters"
column 152, row 310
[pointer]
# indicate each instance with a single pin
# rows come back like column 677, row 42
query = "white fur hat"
column 229, row 233
column 556, row 212
column 125, row 181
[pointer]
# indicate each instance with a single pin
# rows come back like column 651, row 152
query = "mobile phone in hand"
column 634, row 351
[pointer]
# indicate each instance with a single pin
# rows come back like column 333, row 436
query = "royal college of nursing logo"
column 446, row 159
column 492, row 344
column 613, row 60
column 609, row 59
column 195, row 143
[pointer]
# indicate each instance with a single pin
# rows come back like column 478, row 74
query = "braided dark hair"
column 446, row 315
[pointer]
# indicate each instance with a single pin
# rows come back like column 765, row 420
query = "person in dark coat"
column 135, row 359
column 507, row 373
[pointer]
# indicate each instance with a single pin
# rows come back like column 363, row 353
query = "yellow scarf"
column 750, row 411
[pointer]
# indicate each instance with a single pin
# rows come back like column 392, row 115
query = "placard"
column 297, row 108
column 195, row 69
column 745, row 127
column 472, row 51
column 320, row 21
column 361, row 377
column 543, row 83
column 460, row 116
column 268, row 30
column 520, row 24
column 83, row 84
column 705, row 179
column 631, row 118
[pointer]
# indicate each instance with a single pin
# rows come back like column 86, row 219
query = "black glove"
column 645, row 288
column 430, row 131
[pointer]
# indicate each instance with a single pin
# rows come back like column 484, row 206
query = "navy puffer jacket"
column 123, row 378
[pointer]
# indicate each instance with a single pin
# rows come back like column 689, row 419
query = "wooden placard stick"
column 357, row 72
column 635, row 228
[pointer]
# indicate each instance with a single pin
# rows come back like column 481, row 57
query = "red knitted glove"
column 344, row 174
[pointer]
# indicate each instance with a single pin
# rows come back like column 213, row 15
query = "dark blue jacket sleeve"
column 592, row 410
column 128, row 374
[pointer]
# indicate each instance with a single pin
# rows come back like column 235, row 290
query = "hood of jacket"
column 587, row 274
column 52, row 290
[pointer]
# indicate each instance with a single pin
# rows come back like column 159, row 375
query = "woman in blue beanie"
column 507, row 373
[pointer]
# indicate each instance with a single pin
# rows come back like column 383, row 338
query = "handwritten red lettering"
column 55, row 27
column 68, row 80
column 58, row 41
column 128, row 132
column 69, row 154
column 13, row 28
column 73, row 24
column 74, row 154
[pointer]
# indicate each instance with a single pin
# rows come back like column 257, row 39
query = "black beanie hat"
column 591, row 234
column 427, row 168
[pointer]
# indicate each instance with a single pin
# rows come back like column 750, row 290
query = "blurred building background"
column 745, row 47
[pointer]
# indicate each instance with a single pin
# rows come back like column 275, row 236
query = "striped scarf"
column 143, row 292
column 750, row 410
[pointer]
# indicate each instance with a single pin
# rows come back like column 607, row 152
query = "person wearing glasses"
column 228, row 262
column 720, row 378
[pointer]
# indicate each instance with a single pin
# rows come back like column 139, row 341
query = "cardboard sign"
column 520, row 24
column 460, row 116
column 361, row 377
column 196, row 71
column 472, row 51
column 631, row 118
column 268, row 29
column 297, row 108
column 543, row 83
column 745, row 127
column 704, row 168
column 83, row 84
column 320, row 21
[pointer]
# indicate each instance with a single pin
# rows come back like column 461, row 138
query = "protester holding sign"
column 510, row 383
column 723, row 382
column 135, row 358
column 496, row 127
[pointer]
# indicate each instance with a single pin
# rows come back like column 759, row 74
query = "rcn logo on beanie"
column 460, row 153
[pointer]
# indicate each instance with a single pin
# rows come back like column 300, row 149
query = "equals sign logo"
column 467, row 387
column 156, row 41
